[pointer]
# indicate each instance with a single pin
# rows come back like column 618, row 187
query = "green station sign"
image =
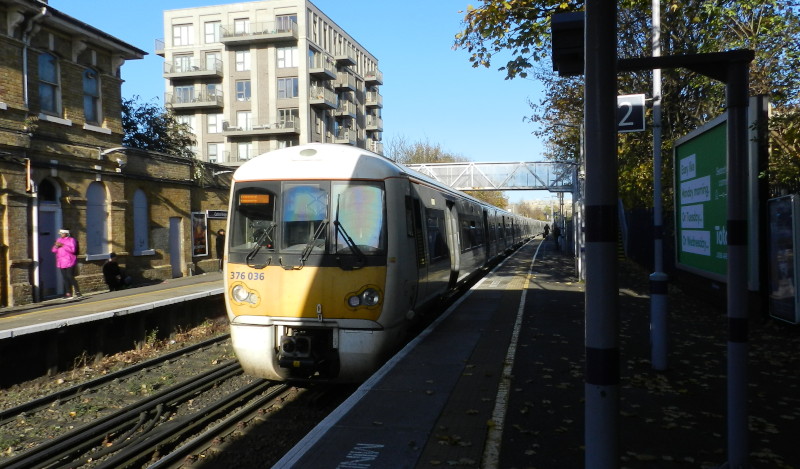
column 701, row 186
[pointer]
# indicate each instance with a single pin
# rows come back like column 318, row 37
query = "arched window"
column 141, row 225
column 96, row 222
column 47, row 192
column 91, row 96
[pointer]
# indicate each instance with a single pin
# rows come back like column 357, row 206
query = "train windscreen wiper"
column 310, row 244
column 339, row 228
column 264, row 236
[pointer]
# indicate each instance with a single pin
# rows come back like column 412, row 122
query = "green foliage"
column 769, row 27
column 150, row 127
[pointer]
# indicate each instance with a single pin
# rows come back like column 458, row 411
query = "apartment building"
column 257, row 76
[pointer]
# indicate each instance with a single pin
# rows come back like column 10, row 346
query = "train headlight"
column 370, row 297
column 241, row 294
column 354, row 301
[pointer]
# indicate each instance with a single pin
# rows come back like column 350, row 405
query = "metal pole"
column 659, row 327
column 602, row 316
column 737, row 91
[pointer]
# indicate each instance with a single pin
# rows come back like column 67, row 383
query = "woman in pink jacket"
column 66, row 249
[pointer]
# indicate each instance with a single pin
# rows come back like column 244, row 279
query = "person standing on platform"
column 65, row 249
column 556, row 235
column 220, row 246
column 546, row 231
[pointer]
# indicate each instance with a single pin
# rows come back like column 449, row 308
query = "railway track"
column 133, row 434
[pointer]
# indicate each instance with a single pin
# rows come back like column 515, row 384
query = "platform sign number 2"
column 630, row 113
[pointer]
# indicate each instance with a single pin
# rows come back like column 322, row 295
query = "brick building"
column 62, row 165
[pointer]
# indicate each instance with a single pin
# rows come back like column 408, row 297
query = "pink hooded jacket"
column 65, row 255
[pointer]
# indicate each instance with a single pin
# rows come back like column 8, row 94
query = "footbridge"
column 471, row 176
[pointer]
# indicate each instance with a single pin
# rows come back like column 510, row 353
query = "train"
column 333, row 252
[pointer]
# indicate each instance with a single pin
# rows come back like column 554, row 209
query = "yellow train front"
column 307, row 264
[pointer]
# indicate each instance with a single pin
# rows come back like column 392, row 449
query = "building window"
column 96, row 220
column 49, row 87
column 285, row 23
column 188, row 121
column 287, row 115
column 244, row 120
column 244, row 150
column 182, row 63
column 214, row 90
column 214, row 123
column 183, row 94
column 213, row 61
column 91, row 96
column 241, row 26
column 212, row 31
column 182, row 34
column 288, row 57
column 242, row 60
column 141, row 223
column 288, row 87
column 214, row 153
column 243, row 90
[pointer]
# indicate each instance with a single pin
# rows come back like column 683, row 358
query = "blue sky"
column 431, row 93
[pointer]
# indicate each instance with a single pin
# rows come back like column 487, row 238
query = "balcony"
column 346, row 109
column 346, row 57
column 346, row 81
column 345, row 136
column 374, row 99
column 159, row 47
column 323, row 98
column 322, row 67
column 252, row 128
column 269, row 31
column 374, row 124
column 194, row 100
column 375, row 146
column 193, row 68
column 373, row 77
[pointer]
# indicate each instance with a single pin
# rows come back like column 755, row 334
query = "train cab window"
column 252, row 219
column 358, row 213
column 305, row 210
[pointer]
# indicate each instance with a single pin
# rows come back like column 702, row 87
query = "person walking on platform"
column 556, row 235
column 65, row 249
column 114, row 276
column 220, row 246
column 546, row 231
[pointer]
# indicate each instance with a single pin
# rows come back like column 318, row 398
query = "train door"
column 487, row 240
column 414, row 227
column 454, row 242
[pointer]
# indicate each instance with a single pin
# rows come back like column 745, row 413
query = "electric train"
column 333, row 251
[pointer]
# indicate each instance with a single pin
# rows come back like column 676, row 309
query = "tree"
column 770, row 27
column 150, row 127
column 401, row 151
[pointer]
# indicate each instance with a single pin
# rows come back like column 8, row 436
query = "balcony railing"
column 346, row 136
column 254, row 127
column 346, row 81
column 192, row 68
column 345, row 57
column 374, row 124
column 373, row 77
column 323, row 67
column 346, row 108
column 195, row 99
column 375, row 146
column 319, row 96
column 374, row 99
column 159, row 47
column 258, row 32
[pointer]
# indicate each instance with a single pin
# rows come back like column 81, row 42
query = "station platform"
column 95, row 306
column 498, row 382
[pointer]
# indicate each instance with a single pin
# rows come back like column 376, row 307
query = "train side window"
column 437, row 246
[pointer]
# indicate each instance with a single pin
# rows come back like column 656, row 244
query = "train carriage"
column 332, row 251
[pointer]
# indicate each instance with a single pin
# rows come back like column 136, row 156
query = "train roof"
column 318, row 161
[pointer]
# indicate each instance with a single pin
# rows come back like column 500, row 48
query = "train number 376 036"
column 247, row 276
